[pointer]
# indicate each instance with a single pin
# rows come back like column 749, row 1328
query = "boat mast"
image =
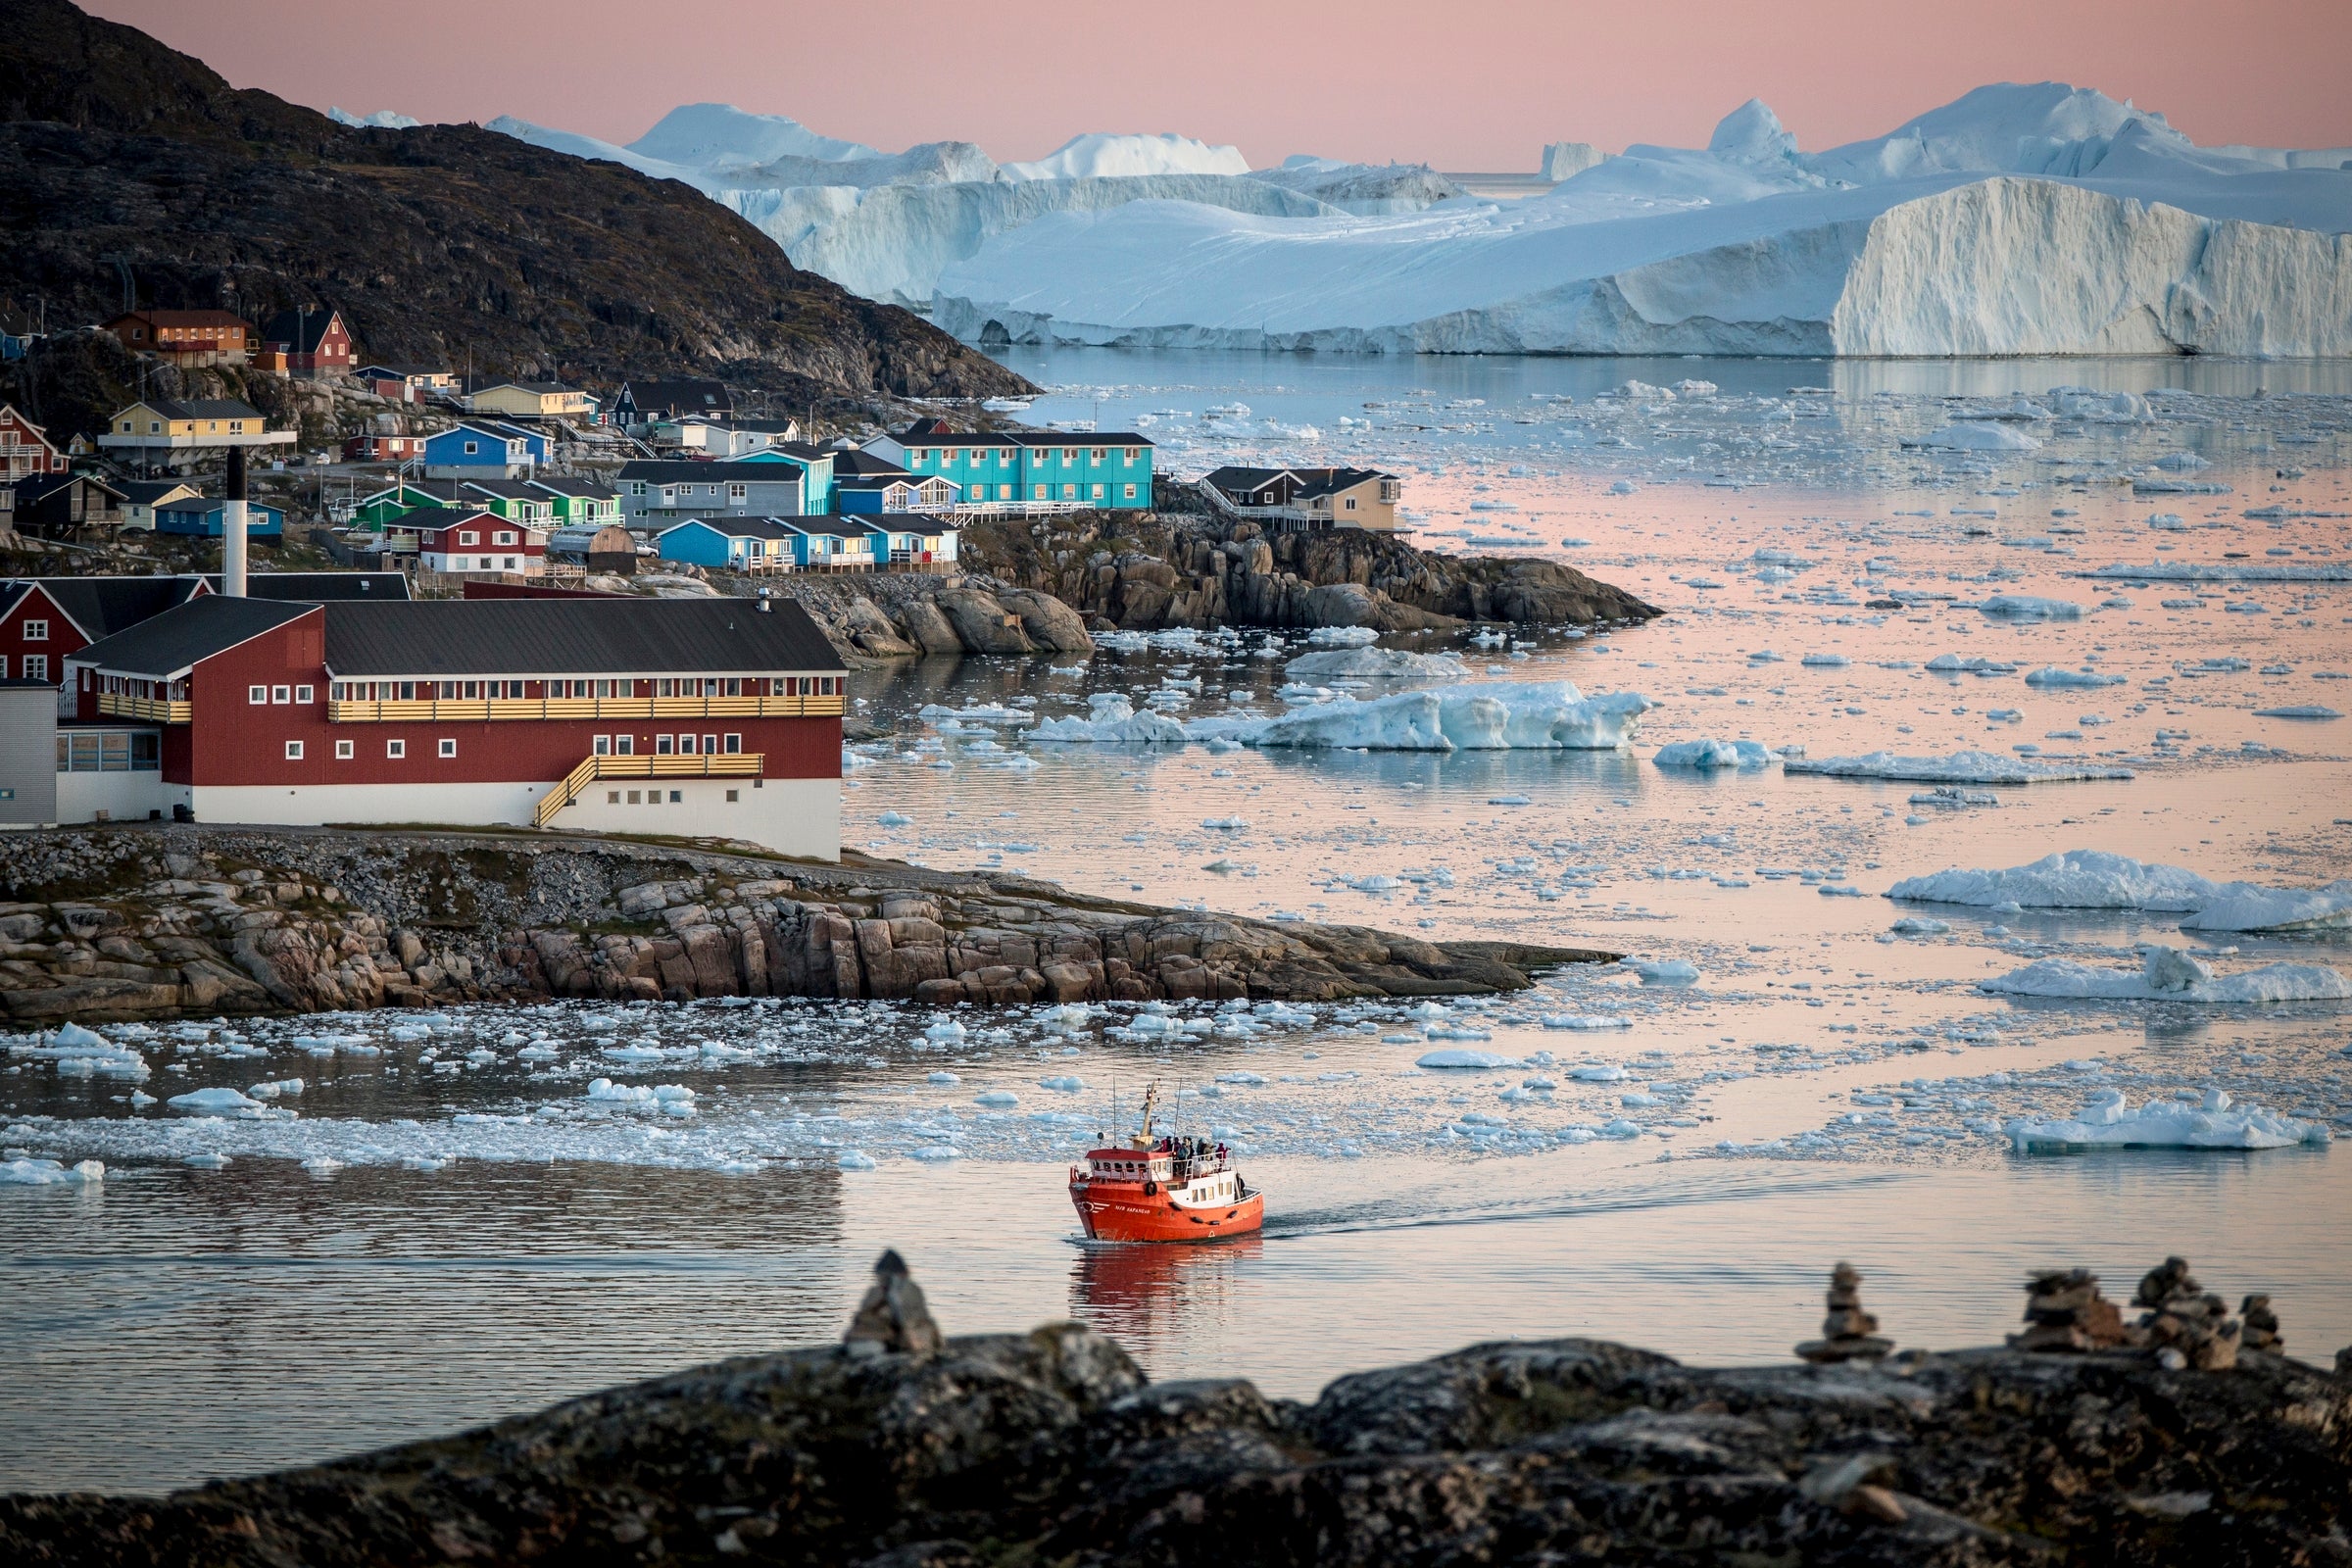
column 1142, row 1139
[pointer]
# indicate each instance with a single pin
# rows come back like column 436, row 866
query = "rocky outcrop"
column 901, row 1447
column 154, row 921
column 1148, row 571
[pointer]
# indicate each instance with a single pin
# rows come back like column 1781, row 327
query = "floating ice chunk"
column 855, row 1160
column 634, row 1052
column 1713, row 753
column 1457, row 1056
column 2094, row 879
column 1375, row 663
column 1919, row 925
column 1111, row 720
column 996, row 1099
column 1974, row 665
column 2298, row 710
column 50, row 1173
column 271, row 1090
column 1599, row 1072
column 1621, row 1128
column 2030, row 606
column 894, row 819
column 2275, row 982
column 1666, row 972
column 942, row 1078
column 935, row 1152
column 2050, row 675
column 206, row 1161
column 944, row 1031
column 1064, row 1085
column 2229, row 572
column 1586, row 1020
column 1341, row 637
column 1496, row 716
column 1977, row 436
column 2109, row 1120
column 1510, row 799
column 1623, row 487
column 211, row 1101
column 1826, row 660
column 1226, row 824
column 1961, row 768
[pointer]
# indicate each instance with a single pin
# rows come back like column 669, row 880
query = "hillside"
column 442, row 243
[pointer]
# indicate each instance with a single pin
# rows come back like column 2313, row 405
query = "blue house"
column 866, row 483
column 732, row 544
column 199, row 517
column 814, row 464
column 830, row 544
column 909, row 539
column 1027, row 470
column 484, row 450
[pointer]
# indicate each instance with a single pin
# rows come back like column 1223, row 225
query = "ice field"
column 2072, row 697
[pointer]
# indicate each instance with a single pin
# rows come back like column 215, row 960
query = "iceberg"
column 1961, row 768
column 1375, row 663
column 2109, row 1120
column 1457, row 1058
column 2050, row 675
column 1111, row 720
column 1977, row 437
column 2169, row 975
column 1713, row 753
column 2094, row 879
column 1099, row 156
column 2227, row 571
column 1538, row 716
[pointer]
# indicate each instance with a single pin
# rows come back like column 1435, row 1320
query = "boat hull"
column 1120, row 1212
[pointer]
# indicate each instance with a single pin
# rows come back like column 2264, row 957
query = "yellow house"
column 167, row 418
column 534, row 400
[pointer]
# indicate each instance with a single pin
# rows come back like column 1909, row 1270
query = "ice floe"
column 1960, row 768
column 1713, row 753
column 2167, row 974
column 2109, row 1120
column 2094, row 879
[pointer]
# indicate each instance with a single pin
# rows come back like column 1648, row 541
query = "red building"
column 309, row 342
column 479, row 542
column 24, row 449
column 44, row 620
column 700, row 717
column 187, row 338
column 382, row 448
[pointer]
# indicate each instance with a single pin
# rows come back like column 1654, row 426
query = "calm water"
column 478, row 1234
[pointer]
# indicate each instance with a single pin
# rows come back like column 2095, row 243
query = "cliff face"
column 443, row 243
column 1171, row 568
column 899, row 1449
column 147, row 923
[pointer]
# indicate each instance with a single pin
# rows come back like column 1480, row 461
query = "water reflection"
column 1152, row 1299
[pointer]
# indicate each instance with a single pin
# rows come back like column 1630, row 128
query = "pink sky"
column 1467, row 85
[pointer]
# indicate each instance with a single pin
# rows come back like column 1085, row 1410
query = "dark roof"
column 480, row 637
column 561, row 485
column 35, row 487
column 103, row 606
column 147, row 492
column 504, row 489
column 165, row 645
column 404, row 370
column 438, row 489
column 207, row 505
column 184, row 318
column 301, row 331
column 1305, row 481
column 1233, row 477
column 319, row 587
column 679, row 395
column 202, row 408
column 661, row 470
column 737, row 528
column 850, row 463
column 935, row 433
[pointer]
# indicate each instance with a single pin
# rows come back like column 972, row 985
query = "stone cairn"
column 2185, row 1326
column 892, row 1320
column 2064, row 1311
column 2260, row 1331
column 1847, row 1334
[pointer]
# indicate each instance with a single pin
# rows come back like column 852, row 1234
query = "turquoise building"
column 1027, row 469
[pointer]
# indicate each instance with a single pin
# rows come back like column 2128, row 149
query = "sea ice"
column 1961, row 768
column 2169, row 975
column 2109, row 1120
column 1713, row 753
column 2094, row 879
column 2050, row 675
column 1456, row 1056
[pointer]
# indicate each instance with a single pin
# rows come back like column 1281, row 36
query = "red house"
column 702, row 716
column 479, row 542
column 382, row 448
column 308, row 342
column 24, row 449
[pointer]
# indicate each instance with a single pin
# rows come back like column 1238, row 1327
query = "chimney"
column 233, row 527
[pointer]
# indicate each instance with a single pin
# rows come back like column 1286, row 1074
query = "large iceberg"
column 1550, row 716
column 2094, row 879
column 1097, row 156
column 2109, row 1120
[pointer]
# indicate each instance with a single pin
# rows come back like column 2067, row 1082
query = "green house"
column 578, row 503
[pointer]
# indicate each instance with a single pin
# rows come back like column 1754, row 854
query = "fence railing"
column 702, row 764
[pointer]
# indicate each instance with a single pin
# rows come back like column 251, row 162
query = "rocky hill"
column 446, row 243
column 901, row 1449
column 155, row 923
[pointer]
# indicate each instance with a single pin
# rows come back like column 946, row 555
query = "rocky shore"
column 903, row 1448
column 154, row 921
column 1047, row 584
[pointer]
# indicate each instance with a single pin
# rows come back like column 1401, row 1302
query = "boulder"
column 929, row 630
column 871, row 631
column 983, row 624
column 1051, row 624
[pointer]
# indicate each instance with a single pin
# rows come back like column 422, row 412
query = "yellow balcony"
column 152, row 709
column 429, row 709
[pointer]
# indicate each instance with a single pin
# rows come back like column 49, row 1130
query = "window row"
column 413, row 691
column 120, row 753
column 669, row 745
column 265, row 696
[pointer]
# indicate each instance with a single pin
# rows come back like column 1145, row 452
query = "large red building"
column 699, row 717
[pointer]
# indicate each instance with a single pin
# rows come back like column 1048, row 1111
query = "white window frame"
column 344, row 751
column 282, row 695
column 257, row 695
column 293, row 750
column 448, row 747
column 394, row 750
column 37, row 631
column 600, row 746
column 306, row 694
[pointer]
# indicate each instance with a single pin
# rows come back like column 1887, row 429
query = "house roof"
column 682, row 394
column 182, row 317
column 438, row 489
column 504, row 489
column 849, row 463
column 35, row 487
column 735, row 527
column 493, row 428
column 561, row 485
column 205, row 505
column 544, row 388
column 168, row 645
column 200, row 407
column 480, row 637
column 902, row 522
column 100, row 606
column 319, row 587
column 302, row 331
column 666, row 470
column 829, row 526
column 22, row 424
column 149, row 492
column 1308, row 482
column 403, row 370
column 935, row 433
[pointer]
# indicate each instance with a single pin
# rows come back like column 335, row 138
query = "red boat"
column 1168, row 1189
